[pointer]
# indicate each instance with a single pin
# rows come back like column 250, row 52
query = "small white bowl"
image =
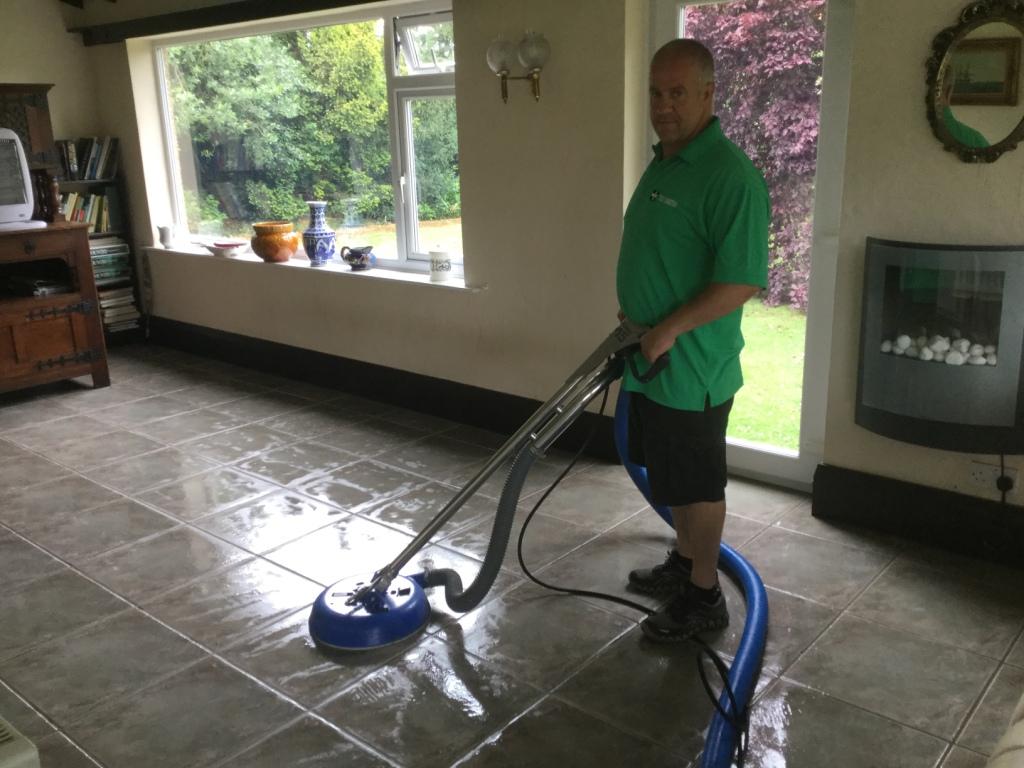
column 232, row 248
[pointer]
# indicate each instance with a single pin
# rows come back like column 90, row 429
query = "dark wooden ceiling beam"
column 199, row 18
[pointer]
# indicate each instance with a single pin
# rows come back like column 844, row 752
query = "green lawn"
column 767, row 409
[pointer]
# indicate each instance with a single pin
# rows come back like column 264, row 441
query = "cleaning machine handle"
column 547, row 421
column 656, row 367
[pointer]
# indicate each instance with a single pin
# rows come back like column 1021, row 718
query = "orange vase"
column 275, row 240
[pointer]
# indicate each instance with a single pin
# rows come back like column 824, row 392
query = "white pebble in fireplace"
column 941, row 349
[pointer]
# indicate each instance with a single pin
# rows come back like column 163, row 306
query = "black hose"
column 464, row 600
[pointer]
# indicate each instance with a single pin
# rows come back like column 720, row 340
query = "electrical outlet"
column 984, row 475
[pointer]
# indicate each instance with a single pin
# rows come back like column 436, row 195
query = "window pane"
column 425, row 48
column 263, row 123
column 436, row 163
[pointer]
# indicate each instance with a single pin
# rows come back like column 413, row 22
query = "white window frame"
column 398, row 87
column 755, row 460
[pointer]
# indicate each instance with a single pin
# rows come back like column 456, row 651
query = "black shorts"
column 684, row 451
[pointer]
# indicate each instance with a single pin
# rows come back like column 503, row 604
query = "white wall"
column 543, row 191
column 901, row 185
column 34, row 48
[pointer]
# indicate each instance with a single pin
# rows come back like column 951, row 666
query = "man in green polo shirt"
column 694, row 250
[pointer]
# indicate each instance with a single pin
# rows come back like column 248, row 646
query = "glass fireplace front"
column 941, row 338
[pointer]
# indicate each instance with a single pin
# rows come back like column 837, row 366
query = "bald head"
column 690, row 51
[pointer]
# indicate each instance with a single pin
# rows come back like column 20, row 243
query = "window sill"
column 335, row 267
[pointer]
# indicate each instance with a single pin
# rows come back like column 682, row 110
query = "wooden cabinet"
column 46, row 338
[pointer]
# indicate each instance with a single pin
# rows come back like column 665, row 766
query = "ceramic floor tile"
column 603, row 565
column 353, row 546
column 207, row 493
column 271, row 520
column 311, row 421
column 420, row 419
column 237, row 444
column 9, row 450
column 983, row 618
column 103, row 449
column 20, row 562
column 262, row 406
column 308, row 743
column 150, row 470
column 647, row 689
column 285, row 657
column 363, row 486
column 312, row 392
column 188, row 426
column 739, row 530
column 27, row 470
column 297, row 463
column 70, row 675
column 28, row 413
column 436, row 457
column 799, row 519
column 58, row 432
column 435, row 557
column 431, row 706
column 86, row 399
column 791, row 725
column 413, row 511
column 29, row 611
column 26, row 720
column 557, row 733
column 216, row 392
column 372, row 437
column 148, row 568
column 72, row 493
column 140, row 411
column 77, row 535
column 923, row 684
column 57, row 750
column 964, row 758
column 505, row 632
column 756, row 501
column 962, row 566
column 547, row 539
column 820, row 570
column 542, row 474
column 1017, row 653
column 793, row 625
column 216, row 711
column 482, row 437
column 219, row 609
column 588, row 500
column 992, row 718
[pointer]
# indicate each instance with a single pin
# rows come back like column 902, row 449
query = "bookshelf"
column 92, row 192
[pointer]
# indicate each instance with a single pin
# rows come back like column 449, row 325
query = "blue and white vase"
column 318, row 239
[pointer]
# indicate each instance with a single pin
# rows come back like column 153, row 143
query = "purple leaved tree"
column 768, row 56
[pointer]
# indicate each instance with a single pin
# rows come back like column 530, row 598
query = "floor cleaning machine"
column 363, row 613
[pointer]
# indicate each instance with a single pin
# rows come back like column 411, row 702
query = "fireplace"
column 942, row 329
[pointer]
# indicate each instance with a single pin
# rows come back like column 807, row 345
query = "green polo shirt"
column 698, row 217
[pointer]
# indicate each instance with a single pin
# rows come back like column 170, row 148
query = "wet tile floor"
column 161, row 541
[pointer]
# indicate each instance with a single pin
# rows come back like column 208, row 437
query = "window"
column 360, row 114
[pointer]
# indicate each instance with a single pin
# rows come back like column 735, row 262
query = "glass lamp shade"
column 500, row 55
column 534, row 50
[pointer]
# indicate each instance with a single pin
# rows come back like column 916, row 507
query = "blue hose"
column 722, row 734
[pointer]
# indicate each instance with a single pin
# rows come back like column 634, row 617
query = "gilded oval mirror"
column 974, row 99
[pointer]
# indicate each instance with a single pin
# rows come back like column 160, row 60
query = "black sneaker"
column 666, row 578
column 684, row 616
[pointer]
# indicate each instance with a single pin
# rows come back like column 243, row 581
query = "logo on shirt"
column 657, row 197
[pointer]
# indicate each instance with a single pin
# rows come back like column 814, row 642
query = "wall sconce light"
column 533, row 51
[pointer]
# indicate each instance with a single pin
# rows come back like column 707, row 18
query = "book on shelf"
column 89, row 159
column 116, row 293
